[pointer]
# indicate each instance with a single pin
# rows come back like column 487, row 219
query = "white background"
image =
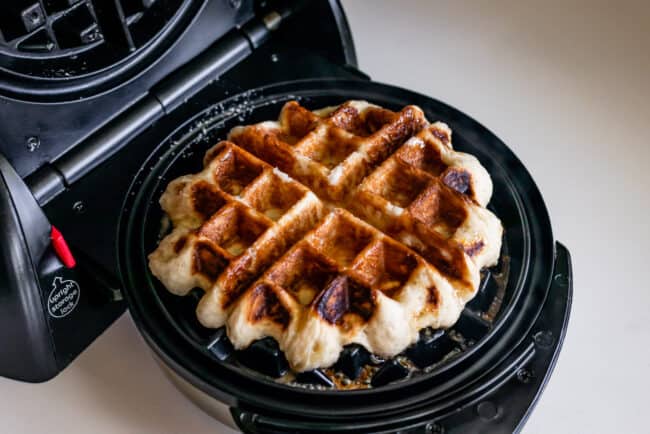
column 566, row 84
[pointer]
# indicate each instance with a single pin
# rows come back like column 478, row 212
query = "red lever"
column 61, row 248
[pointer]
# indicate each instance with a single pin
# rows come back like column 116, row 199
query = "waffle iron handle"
column 503, row 410
column 46, row 301
column 24, row 237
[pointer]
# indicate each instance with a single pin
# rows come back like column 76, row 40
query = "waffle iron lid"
column 62, row 48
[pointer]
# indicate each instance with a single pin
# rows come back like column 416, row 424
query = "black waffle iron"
column 103, row 102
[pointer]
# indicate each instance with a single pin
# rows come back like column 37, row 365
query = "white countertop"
column 566, row 84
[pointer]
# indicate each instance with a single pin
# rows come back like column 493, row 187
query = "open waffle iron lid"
column 486, row 350
column 64, row 49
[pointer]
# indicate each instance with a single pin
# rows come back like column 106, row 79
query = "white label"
column 63, row 298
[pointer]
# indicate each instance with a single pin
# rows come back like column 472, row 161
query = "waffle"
column 349, row 224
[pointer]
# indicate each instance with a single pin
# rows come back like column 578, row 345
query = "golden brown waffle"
column 350, row 224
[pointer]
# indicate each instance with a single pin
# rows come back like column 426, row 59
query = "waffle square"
column 349, row 224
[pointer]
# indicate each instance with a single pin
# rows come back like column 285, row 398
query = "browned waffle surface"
column 349, row 224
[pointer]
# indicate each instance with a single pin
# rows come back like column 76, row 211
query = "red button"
column 61, row 248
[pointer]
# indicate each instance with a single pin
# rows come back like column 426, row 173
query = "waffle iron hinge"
column 163, row 98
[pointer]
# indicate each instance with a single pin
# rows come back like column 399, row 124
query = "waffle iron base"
column 456, row 373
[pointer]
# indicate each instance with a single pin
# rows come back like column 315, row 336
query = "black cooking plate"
column 168, row 322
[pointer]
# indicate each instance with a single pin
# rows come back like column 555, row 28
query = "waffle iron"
column 103, row 102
